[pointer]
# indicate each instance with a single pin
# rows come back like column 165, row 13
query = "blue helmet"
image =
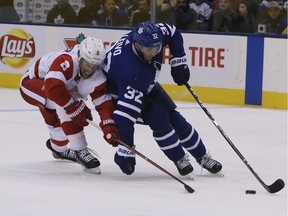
column 147, row 34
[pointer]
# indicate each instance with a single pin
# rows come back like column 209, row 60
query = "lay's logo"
column 16, row 48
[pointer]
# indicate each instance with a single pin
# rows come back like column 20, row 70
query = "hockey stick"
column 187, row 187
column 273, row 188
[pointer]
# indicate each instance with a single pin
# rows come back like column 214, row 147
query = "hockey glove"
column 79, row 112
column 110, row 131
column 125, row 159
column 180, row 70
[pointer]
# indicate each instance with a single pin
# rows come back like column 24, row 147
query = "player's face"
column 148, row 52
column 86, row 68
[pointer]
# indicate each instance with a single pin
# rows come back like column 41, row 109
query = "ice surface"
column 33, row 183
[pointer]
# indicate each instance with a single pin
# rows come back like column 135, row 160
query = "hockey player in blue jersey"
column 132, row 66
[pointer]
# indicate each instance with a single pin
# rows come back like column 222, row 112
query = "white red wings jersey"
column 63, row 84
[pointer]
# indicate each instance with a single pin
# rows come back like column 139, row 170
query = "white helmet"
column 92, row 50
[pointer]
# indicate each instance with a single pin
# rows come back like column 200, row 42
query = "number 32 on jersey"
column 133, row 94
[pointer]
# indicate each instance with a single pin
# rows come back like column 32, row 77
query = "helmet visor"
column 150, row 50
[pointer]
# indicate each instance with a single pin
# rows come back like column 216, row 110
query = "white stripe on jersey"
column 43, row 67
column 70, row 102
column 56, row 75
column 87, row 86
column 165, row 136
column 188, row 137
column 195, row 145
column 125, row 115
column 172, row 30
column 170, row 146
column 124, row 104
column 100, row 100
column 33, row 95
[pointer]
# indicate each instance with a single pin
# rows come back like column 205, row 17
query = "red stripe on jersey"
column 56, row 91
column 64, row 64
column 35, row 86
column 60, row 143
column 36, row 68
column 55, row 88
column 105, row 109
column 99, row 91
column 70, row 128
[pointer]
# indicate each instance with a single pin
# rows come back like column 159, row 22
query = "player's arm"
column 173, row 38
column 60, row 71
column 127, row 111
column 104, row 106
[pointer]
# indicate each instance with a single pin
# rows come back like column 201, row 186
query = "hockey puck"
column 250, row 192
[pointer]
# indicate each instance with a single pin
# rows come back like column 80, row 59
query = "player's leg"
column 60, row 133
column 32, row 92
column 158, row 120
column 77, row 139
column 192, row 142
column 58, row 142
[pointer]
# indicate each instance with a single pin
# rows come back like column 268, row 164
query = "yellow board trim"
column 275, row 100
column 8, row 80
column 208, row 95
column 272, row 100
column 236, row 97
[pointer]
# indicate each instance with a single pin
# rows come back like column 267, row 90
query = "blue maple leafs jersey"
column 131, row 78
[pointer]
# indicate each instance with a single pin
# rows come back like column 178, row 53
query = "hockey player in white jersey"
column 58, row 84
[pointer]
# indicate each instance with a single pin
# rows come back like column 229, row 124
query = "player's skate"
column 68, row 154
column 183, row 165
column 88, row 161
column 209, row 164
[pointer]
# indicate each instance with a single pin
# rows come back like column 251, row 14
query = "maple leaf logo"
column 80, row 38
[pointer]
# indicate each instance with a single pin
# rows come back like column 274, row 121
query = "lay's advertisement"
column 17, row 48
column 221, row 71
column 21, row 45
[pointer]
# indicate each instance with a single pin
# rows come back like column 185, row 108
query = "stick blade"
column 189, row 189
column 276, row 186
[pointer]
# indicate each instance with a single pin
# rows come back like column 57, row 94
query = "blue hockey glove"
column 180, row 70
column 125, row 159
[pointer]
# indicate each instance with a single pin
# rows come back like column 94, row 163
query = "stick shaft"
column 268, row 188
column 187, row 187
